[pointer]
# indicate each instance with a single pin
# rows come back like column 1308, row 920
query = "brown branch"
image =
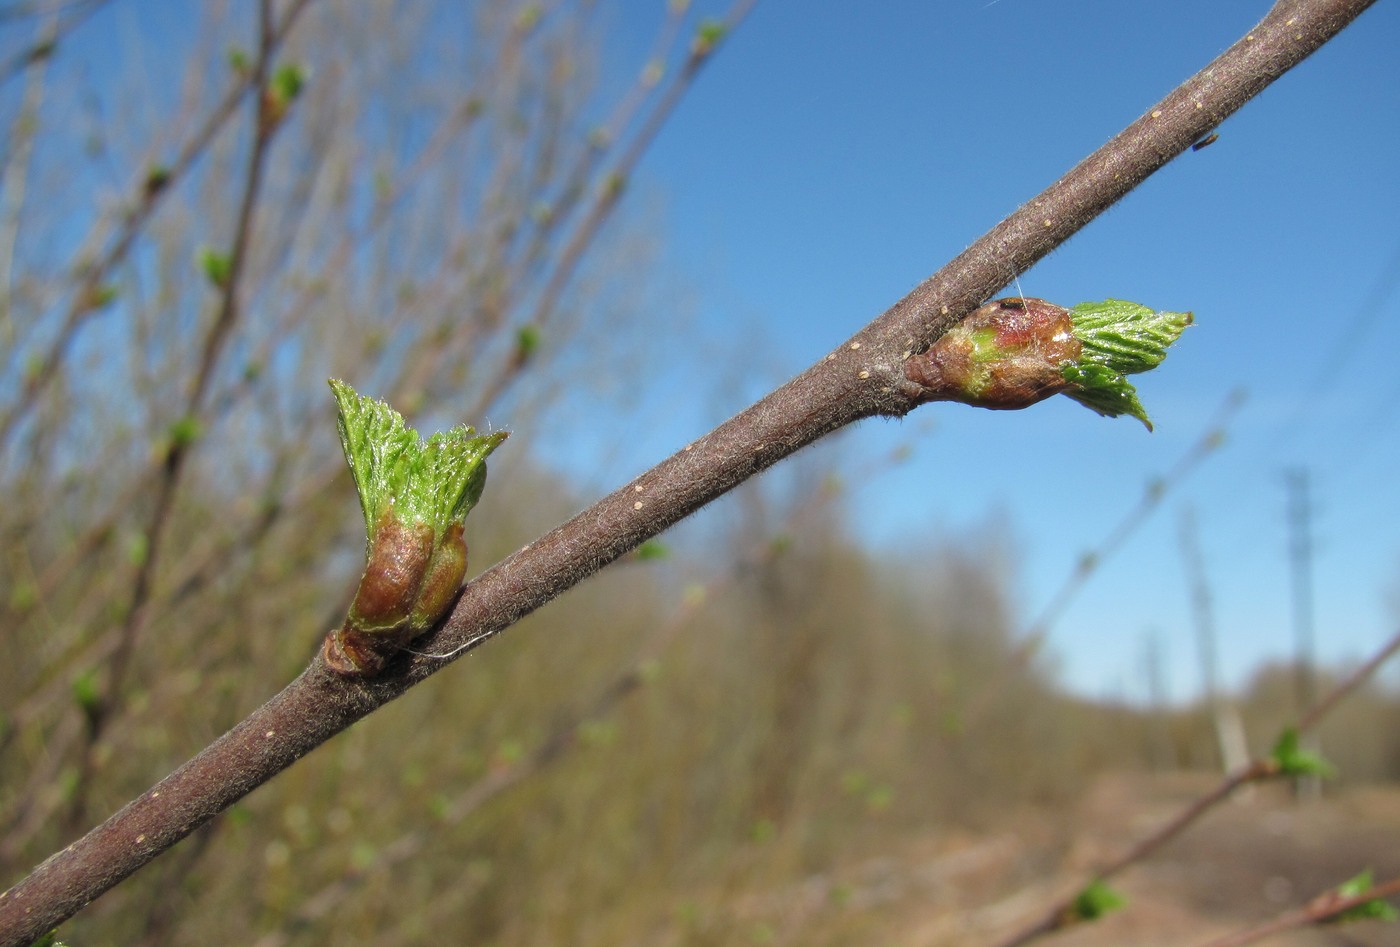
column 1062, row 914
column 1320, row 910
column 863, row 378
column 1090, row 562
column 177, row 454
column 148, row 190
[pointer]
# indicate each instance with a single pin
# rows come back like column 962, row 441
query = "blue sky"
column 836, row 153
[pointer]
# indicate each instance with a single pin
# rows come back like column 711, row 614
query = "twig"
column 605, row 199
column 1320, row 910
column 1062, row 914
column 179, row 451
column 148, row 191
column 863, row 378
column 1152, row 497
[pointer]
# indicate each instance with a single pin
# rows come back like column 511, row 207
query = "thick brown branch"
column 861, row 379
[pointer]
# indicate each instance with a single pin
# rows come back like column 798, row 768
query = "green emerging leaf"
column 709, row 34
column 1292, row 760
column 287, row 82
column 1373, row 910
column 1125, row 336
column 1096, row 900
column 435, row 482
column 1119, row 338
column 217, row 267
column 1103, row 391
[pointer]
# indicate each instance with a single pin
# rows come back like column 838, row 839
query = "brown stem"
column 148, row 193
column 863, row 378
column 178, row 453
column 613, row 182
column 1061, row 915
column 1319, row 911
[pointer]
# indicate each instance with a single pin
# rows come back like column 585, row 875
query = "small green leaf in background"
column 216, row 267
column 763, row 830
column 1373, row 910
column 137, row 546
column 1096, row 900
column 651, row 550
column 598, row 733
column 528, row 17
column 100, row 297
column 157, row 178
column 709, row 35
column 1292, row 760
column 184, row 432
column 24, row 595
column 287, row 82
column 85, row 693
column 527, row 342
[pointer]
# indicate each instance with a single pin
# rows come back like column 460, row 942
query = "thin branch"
column 177, row 454
column 1063, row 915
column 863, row 378
column 1089, row 563
column 148, row 189
column 1320, row 910
column 612, row 184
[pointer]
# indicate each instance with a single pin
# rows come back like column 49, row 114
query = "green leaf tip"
column 436, row 481
column 1290, row 759
column 1096, row 900
column 217, row 267
column 1011, row 353
column 709, row 35
column 287, row 82
column 1373, row 910
column 415, row 495
column 1119, row 338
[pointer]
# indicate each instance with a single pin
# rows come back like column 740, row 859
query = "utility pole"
column 1300, row 558
column 1229, row 728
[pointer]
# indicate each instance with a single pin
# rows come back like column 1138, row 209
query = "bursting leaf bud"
column 1014, row 352
column 415, row 496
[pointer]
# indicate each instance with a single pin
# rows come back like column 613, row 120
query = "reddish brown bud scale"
column 356, row 653
column 394, row 574
column 381, row 617
column 1005, row 355
column 440, row 585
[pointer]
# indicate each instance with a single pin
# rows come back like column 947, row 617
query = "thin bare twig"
column 861, row 379
column 180, row 449
column 149, row 188
column 1063, row 915
column 1152, row 497
column 605, row 199
column 1320, row 910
